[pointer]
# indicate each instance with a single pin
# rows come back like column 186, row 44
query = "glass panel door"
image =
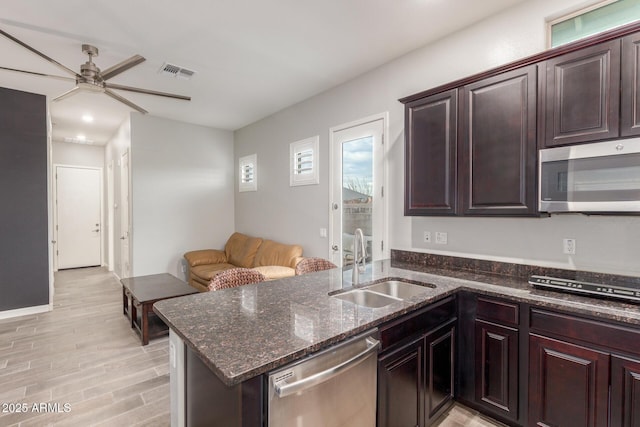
column 357, row 190
column 357, row 195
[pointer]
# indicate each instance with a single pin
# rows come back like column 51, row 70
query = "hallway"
column 84, row 359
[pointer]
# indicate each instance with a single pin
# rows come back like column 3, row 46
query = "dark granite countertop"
column 243, row 332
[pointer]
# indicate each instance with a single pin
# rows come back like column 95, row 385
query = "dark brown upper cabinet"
column 497, row 158
column 630, row 117
column 430, row 146
column 471, row 144
column 581, row 95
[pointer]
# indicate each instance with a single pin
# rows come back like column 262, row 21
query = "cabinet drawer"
column 616, row 337
column 506, row 313
column 420, row 322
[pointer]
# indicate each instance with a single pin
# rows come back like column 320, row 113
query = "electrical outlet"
column 427, row 237
column 569, row 246
column 441, row 237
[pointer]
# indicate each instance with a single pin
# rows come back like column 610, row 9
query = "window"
column 248, row 167
column 593, row 20
column 304, row 162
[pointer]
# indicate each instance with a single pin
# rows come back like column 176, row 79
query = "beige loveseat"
column 274, row 260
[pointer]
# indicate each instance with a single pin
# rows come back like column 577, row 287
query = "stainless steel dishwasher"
column 335, row 387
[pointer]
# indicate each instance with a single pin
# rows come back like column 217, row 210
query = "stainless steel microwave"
column 598, row 177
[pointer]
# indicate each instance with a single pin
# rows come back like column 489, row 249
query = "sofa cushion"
column 241, row 250
column 206, row 272
column 273, row 272
column 205, row 256
column 274, row 253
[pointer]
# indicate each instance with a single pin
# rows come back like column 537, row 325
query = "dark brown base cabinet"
column 568, row 384
column 546, row 368
column 625, row 391
column 416, row 370
column 401, row 386
column 583, row 372
column 489, row 358
column 497, row 368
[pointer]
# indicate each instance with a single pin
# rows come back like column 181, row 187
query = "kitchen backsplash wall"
column 605, row 244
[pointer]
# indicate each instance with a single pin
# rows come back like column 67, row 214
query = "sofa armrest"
column 205, row 256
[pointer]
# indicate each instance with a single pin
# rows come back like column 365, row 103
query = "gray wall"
column 182, row 192
column 24, row 240
column 604, row 244
column 64, row 153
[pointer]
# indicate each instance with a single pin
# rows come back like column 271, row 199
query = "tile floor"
column 84, row 355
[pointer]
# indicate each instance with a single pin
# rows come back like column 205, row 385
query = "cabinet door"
column 630, row 102
column 400, row 386
column 568, row 384
column 498, row 145
column 582, row 95
column 625, row 392
column 430, row 155
column 497, row 368
column 439, row 368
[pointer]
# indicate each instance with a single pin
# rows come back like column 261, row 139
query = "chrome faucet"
column 359, row 256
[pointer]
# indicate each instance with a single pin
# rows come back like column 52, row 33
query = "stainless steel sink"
column 399, row 289
column 384, row 293
column 366, row 298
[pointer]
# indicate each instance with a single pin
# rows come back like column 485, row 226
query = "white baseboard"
column 7, row 314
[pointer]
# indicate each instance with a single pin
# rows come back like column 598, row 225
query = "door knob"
column 122, row 238
column 334, row 248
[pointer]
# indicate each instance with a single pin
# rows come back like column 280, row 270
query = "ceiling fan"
column 91, row 78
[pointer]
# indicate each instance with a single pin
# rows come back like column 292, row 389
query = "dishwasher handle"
column 283, row 388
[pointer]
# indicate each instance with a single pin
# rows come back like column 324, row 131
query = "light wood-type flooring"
column 87, row 364
column 85, row 355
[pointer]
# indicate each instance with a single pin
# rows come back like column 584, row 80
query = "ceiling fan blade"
column 124, row 101
column 38, row 74
column 42, row 55
column 67, row 94
column 147, row 91
column 121, row 67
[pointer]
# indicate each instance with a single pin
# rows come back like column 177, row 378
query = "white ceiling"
column 252, row 57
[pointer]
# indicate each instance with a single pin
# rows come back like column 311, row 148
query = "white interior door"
column 78, row 202
column 125, row 255
column 357, row 189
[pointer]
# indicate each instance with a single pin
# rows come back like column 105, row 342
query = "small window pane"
column 248, row 173
column 304, row 162
column 593, row 21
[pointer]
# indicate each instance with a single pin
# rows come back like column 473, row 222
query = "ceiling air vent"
column 176, row 71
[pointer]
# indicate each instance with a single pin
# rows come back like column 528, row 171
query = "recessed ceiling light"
column 87, row 118
column 81, row 137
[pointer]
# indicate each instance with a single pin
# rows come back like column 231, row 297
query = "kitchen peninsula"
column 241, row 334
